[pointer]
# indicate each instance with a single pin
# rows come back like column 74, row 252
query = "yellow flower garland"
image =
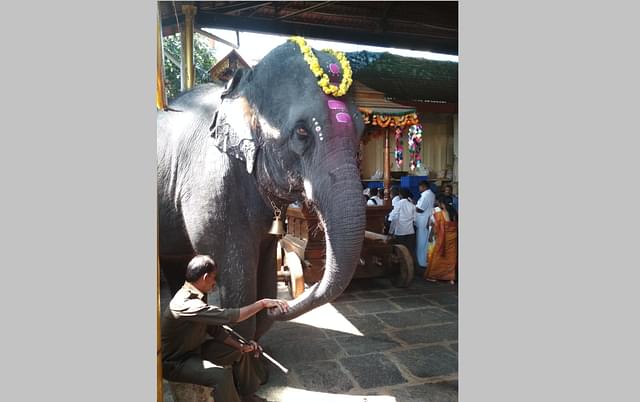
column 317, row 71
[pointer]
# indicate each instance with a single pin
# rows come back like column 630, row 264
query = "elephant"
column 228, row 157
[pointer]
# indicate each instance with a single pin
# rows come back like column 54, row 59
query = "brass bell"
column 277, row 227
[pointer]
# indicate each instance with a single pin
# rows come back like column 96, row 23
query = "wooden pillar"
column 387, row 168
column 161, row 96
column 161, row 103
column 186, row 66
column 158, row 343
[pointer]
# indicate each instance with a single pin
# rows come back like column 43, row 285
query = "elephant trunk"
column 341, row 209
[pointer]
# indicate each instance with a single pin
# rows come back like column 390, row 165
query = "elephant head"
column 300, row 144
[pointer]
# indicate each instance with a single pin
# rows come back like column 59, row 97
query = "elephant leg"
column 267, row 282
column 173, row 268
column 237, row 282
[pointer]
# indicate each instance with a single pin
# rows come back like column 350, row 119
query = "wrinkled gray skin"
column 226, row 152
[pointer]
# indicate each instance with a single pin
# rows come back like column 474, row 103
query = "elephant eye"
column 301, row 131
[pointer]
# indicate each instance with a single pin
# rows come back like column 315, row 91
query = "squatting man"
column 197, row 350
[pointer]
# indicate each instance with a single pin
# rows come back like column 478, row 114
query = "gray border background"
column 78, row 205
column 548, row 110
column 548, row 142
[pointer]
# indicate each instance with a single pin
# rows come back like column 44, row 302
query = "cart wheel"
column 293, row 264
column 404, row 264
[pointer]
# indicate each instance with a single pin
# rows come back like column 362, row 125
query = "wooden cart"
column 301, row 252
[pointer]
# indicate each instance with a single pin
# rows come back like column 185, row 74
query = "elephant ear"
column 231, row 89
column 234, row 127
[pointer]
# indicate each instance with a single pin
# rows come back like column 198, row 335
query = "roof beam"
column 214, row 37
column 243, row 6
column 335, row 33
column 305, row 10
column 256, row 9
column 383, row 19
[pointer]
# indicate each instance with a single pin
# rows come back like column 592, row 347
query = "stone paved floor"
column 374, row 343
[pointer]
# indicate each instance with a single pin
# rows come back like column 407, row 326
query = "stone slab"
column 405, row 292
column 292, row 332
column 372, row 371
column 444, row 299
column 167, row 393
column 185, row 392
column 372, row 295
column 372, row 306
column 346, row 309
column 366, row 324
column 428, row 334
column 431, row 287
column 360, row 345
column 437, row 392
column 368, row 284
column 323, row 377
column 344, row 297
column 276, row 377
column 410, row 302
column 452, row 308
column 429, row 361
column 417, row 317
column 302, row 350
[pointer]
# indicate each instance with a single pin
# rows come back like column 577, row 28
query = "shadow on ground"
column 374, row 340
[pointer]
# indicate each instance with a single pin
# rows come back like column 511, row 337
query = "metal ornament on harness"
column 277, row 226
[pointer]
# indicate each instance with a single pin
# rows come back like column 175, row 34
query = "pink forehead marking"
column 336, row 104
column 343, row 117
column 333, row 67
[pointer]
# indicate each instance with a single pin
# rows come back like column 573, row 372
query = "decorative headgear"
column 317, row 71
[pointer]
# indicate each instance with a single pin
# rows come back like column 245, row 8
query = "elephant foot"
column 253, row 398
column 263, row 323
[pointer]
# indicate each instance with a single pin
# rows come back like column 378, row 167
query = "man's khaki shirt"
column 185, row 321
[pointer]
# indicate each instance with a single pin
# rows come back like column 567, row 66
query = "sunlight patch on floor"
column 327, row 317
column 289, row 394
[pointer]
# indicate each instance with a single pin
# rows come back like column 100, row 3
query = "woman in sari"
column 443, row 256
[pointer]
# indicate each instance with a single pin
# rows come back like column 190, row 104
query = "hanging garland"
column 386, row 120
column 323, row 78
column 415, row 143
column 398, row 152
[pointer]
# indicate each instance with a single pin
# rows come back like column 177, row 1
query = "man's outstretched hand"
column 273, row 305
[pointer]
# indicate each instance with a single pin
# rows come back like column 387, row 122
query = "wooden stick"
column 241, row 339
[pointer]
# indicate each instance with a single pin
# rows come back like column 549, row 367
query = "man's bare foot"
column 431, row 280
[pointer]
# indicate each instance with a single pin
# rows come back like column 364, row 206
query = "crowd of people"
column 428, row 227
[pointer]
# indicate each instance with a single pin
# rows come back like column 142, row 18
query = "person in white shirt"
column 424, row 208
column 367, row 194
column 402, row 218
column 394, row 201
column 374, row 201
column 395, row 196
